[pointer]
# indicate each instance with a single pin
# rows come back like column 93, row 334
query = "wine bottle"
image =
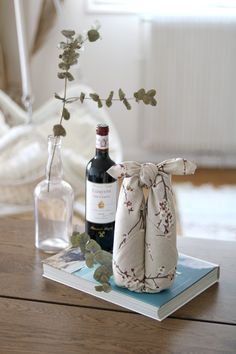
column 101, row 193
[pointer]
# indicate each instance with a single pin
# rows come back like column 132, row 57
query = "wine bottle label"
column 102, row 142
column 101, row 200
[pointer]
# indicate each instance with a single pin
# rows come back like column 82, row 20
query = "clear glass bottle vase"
column 53, row 204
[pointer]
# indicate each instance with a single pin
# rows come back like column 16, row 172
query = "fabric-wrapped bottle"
column 145, row 253
column 53, row 204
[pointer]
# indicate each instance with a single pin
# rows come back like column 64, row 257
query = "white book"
column 193, row 277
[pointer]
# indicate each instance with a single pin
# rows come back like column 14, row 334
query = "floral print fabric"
column 144, row 253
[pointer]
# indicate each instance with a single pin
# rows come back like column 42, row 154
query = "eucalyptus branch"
column 95, row 257
column 69, row 57
column 70, row 54
column 147, row 98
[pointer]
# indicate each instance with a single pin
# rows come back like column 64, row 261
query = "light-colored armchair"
column 23, row 147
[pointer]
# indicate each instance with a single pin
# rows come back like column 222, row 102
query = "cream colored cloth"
column 23, row 148
column 145, row 254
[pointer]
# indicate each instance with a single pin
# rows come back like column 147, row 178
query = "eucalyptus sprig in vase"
column 71, row 50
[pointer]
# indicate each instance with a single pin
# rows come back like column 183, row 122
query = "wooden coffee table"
column 41, row 316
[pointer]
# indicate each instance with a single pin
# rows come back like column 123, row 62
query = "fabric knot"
column 148, row 174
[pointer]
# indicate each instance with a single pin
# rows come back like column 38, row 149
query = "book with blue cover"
column 193, row 277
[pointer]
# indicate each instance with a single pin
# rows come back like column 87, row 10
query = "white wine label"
column 102, row 142
column 101, row 200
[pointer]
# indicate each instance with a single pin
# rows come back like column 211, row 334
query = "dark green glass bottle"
column 101, row 193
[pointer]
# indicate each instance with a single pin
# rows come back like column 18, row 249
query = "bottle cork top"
column 102, row 129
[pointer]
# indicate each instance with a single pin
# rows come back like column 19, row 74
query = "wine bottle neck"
column 102, row 145
column 101, row 153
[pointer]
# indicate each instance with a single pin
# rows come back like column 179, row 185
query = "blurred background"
column 186, row 50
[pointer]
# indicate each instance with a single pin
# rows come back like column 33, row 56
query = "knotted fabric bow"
column 144, row 253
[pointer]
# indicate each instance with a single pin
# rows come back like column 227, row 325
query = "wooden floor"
column 214, row 176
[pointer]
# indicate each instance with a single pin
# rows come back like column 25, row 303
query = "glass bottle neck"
column 54, row 171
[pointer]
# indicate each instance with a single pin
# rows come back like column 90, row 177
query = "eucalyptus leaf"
column 108, row 103
column 94, row 97
column 58, row 97
column 82, row 97
column 68, row 33
column 139, row 94
column 75, row 44
column 151, row 92
column 106, row 287
column 99, row 288
column 76, row 55
column 69, row 76
column 100, row 103
column 136, row 97
column 146, row 99
column 70, row 57
column 73, row 62
column 64, row 66
column 89, row 260
column 59, row 130
column 153, row 102
column 61, row 75
column 103, row 257
column 75, row 240
column 83, row 239
column 104, row 278
column 98, row 273
column 101, row 273
column 127, row 104
column 111, row 95
column 62, row 45
column 65, row 113
column 109, row 99
column 121, row 94
column 93, row 35
column 92, row 246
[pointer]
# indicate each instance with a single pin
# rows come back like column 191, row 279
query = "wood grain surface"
column 31, row 327
column 21, row 275
column 40, row 316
